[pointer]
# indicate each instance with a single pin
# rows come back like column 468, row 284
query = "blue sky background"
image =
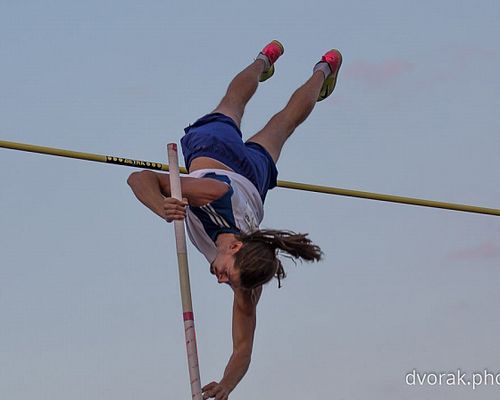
column 89, row 298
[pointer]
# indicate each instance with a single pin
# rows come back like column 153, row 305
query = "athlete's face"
column 223, row 266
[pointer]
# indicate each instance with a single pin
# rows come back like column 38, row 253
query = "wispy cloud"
column 377, row 73
column 467, row 54
column 448, row 63
column 483, row 251
column 453, row 62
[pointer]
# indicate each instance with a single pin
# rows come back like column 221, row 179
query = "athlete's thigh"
column 272, row 141
column 230, row 112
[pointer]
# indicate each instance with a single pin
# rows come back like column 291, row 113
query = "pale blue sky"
column 89, row 298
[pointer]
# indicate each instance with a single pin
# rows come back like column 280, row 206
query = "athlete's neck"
column 225, row 239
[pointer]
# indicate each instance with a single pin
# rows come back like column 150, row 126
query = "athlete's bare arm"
column 153, row 190
column 244, row 323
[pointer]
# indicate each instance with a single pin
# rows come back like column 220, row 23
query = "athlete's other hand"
column 215, row 390
column 174, row 209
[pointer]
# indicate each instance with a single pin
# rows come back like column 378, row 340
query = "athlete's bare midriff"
column 207, row 163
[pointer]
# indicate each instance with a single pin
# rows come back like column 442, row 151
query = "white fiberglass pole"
column 187, row 306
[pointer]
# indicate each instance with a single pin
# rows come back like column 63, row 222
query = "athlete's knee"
column 283, row 123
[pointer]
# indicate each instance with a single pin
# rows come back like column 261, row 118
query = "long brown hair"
column 258, row 261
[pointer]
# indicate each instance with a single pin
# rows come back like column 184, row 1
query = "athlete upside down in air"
column 225, row 191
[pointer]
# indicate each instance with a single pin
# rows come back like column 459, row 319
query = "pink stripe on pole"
column 188, row 316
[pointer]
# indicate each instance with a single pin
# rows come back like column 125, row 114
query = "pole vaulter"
column 223, row 196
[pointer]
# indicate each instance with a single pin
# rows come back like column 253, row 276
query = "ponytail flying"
column 258, row 260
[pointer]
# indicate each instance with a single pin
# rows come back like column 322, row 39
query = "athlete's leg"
column 244, row 85
column 274, row 135
column 240, row 91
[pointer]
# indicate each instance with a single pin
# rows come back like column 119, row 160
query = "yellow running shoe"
column 272, row 51
column 334, row 60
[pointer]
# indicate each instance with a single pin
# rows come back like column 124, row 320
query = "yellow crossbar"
column 284, row 184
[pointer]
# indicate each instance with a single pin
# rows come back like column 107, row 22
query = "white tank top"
column 240, row 210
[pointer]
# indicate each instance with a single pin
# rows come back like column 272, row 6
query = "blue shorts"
column 217, row 136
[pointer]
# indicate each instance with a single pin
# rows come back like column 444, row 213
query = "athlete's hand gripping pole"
column 187, row 306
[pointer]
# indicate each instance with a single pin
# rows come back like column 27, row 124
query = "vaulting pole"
column 284, row 184
column 187, row 306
